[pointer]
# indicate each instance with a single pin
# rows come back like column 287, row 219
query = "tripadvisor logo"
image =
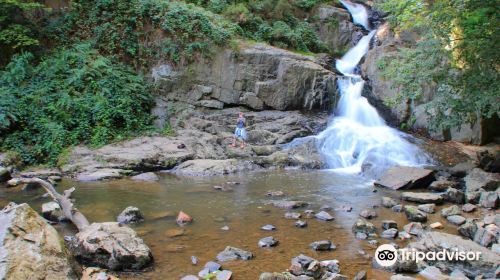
column 387, row 255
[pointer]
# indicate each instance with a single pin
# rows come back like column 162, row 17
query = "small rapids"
column 358, row 139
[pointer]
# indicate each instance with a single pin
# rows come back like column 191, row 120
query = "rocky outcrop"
column 382, row 91
column 30, row 247
column 335, row 28
column 110, row 245
column 257, row 76
column 437, row 241
column 201, row 145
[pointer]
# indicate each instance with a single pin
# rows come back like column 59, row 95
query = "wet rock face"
column 110, row 245
column 31, row 248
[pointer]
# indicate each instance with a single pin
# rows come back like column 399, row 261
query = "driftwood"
column 69, row 210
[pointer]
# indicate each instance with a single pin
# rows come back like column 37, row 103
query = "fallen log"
column 69, row 210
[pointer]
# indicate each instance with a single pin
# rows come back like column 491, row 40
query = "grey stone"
column 414, row 228
column 442, row 185
column 450, row 211
column 422, row 197
column 212, row 266
column 323, row 245
column 397, row 208
column 52, row 211
column 292, row 215
column 324, row 216
column 362, row 226
column 453, row 195
column 4, row 174
column 130, row 215
column 484, row 236
column 360, row 276
column 301, row 224
column 402, row 177
column 468, row 229
column 387, row 224
column 456, row 220
column 289, row 204
column 427, row 208
column 224, row 275
column 467, row 208
column 414, row 215
column 268, row 228
column 148, row 176
column 232, row 254
column 388, row 202
column 489, row 200
column 268, row 242
column 389, row 233
column 368, row 214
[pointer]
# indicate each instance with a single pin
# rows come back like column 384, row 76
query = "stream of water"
column 358, row 139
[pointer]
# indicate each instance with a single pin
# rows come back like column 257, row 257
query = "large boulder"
column 403, row 177
column 335, row 28
column 4, row 174
column 438, row 241
column 422, row 197
column 110, row 245
column 31, row 248
column 477, row 181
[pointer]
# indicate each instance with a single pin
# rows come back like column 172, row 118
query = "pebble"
column 268, row 227
column 301, row 224
column 323, row 245
column 292, row 215
column 224, row 228
column 194, row 260
column 268, row 242
column 436, row 225
column 324, row 216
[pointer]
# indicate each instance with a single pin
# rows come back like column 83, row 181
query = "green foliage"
column 17, row 30
column 458, row 55
column 129, row 29
column 72, row 96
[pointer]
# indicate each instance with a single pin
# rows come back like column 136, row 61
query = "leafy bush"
column 458, row 53
column 129, row 29
column 72, row 96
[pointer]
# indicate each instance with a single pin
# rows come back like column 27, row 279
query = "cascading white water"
column 358, row 138
column 358, row 13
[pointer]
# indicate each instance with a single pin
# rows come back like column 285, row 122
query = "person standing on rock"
column 240, row 132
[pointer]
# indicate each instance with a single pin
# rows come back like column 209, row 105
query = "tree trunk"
column 69, row 210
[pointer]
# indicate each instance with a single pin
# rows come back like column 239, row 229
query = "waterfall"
column 358, row 139
column 358, row 13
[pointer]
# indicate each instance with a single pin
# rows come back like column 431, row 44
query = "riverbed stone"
column 421, row 197
column 362, row 226
column 388, row 202
column 403, row 177
column 4, row 174
column 456, row 220
column 454, row 196
column 130, row 215
column 100, row 174
column 414, row 228
column 489, row 199
column 147, row 177
column 275, row 193
column 427, row 208
column 324, row 216
column 485, row 236
column 212, row 266
column 31, row 248
column 437, row 241
column 14, row 182
column 289, row 204
column 110, row 245
column 402, row 277
column 387, row 224
column 268, row 227
column 322, row 245
column 467, row 208
column 97, row 273
column 190, row 277
column 441, row 185
column 292, row 215
column 368, row 214
column 468, row 229
column 397, row 208
column 450, row 211
column 183, row 219
column 360, row 275
column 436, row 225
column 52, row 211
column 414, row 215
column 233, row 253
column 301, row 224
column 389, row 233
column 268, row 242
column 477, row 181
column 214, row 167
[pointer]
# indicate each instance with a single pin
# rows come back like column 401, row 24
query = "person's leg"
column 242, row 144
column 234, row 141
